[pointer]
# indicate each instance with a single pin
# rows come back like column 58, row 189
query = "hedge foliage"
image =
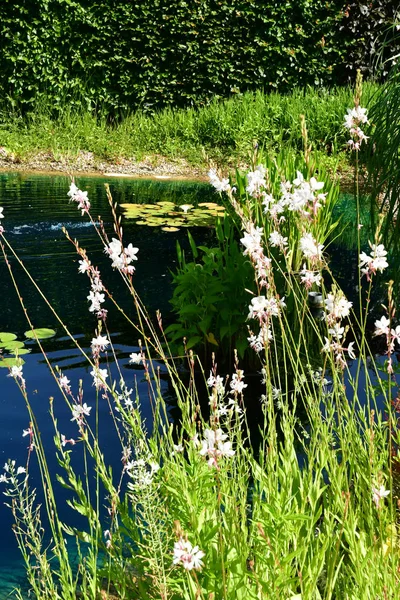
column 126, row 54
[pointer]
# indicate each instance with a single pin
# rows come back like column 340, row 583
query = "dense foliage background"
column 125, row 54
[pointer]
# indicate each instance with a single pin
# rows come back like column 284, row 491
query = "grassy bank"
column 223, row 131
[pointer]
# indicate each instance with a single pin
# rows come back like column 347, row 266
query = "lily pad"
column 42, row 333
column 169, row 228
column 12, row 345
column 11, row 362
column 20, row 351
column 7, row 337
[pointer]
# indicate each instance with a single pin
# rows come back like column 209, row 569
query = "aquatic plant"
column 201, row 508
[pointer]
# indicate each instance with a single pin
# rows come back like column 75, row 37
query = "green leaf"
column 7, row 337
column 11, row 362
column 12, row 345
column 41, row 333
column 193, row 341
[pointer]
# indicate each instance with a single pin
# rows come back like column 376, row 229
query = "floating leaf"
column 21, row 351
column 169, row 228
column 7, row 337
column 12, row 345
column 210, row 204
column 42, row 333
column 11, row 362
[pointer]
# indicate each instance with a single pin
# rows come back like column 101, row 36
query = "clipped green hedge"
column 126, row 54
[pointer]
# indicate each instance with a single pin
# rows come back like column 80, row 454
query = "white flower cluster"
column 79, row 411
column 309, row 278
column 217, row 383
column 16, row 373
column 256, row 182
column 376, row 262
column 252, row 241
column 99, row 344
column 382, row 327
column 237, row 384
column 11, row 472
column 141, row 472
column 81, row 198
column 302, row 196
column 122, row 257
column 263, row 308
column 215, row 447
column 124, row 397
column 96, row 298
column 337, row 308
column 260, row 342
column 187, row 555
column 99, row 378
column 221, row 185
column 310, row 248
column 355, row 117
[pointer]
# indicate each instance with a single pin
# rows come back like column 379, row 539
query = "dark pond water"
column 35, row 209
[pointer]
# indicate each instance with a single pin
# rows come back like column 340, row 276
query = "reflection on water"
column 36, row 209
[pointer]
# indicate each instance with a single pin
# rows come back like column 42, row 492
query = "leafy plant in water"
column 210, row 298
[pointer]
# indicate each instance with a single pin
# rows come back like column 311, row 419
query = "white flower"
column 350, row 351
column 221, row 185
column 376, row 262
column 114, row 247
column 309, row 278
column 262, row 308
column 256, row 181
column 79, row 410
column 260, row 342
column 96, row 299
column 84, row 265
column 396, row 334
column 81, row 198
column 355, row 116
column 277, row 240
column 237, row 384
column 188, row 556
column 252, row 240
column 310, row 248
column 337, row 306
column 99, row 377
column 135, row 358
column 100, row 343
column 214, row 446
column 130, row 252
column 21, row 470
column 1, row 212
column 64, row 440
column 382, row 326
column 64, row 383
column 16, row 372
column 178, row 448
column 336, row 331
column 379, row 494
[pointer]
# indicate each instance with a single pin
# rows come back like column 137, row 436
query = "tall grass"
column 200, row 509
column 224, row 130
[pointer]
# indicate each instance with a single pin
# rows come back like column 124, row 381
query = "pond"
column 35, row 209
